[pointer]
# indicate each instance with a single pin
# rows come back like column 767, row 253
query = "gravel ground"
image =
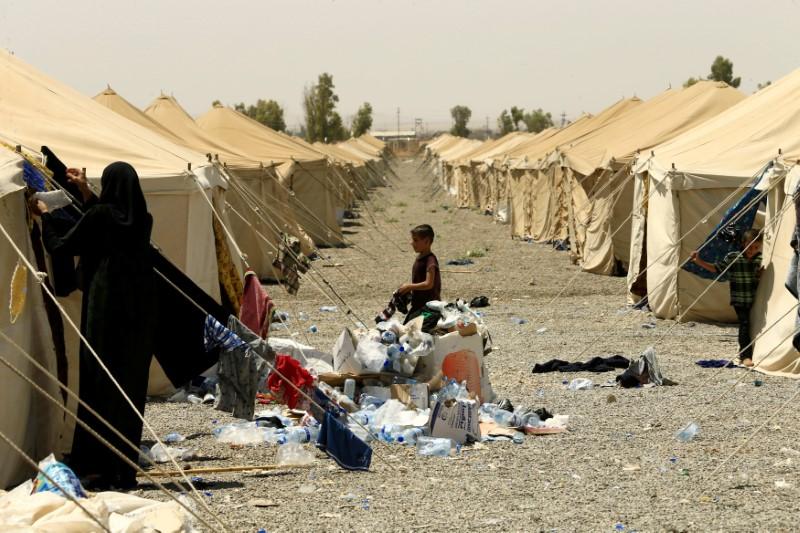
column 609, row 472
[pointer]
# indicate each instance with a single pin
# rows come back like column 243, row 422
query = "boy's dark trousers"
column 745, row 343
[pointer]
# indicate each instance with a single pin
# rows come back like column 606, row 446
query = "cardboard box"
column 456, row 420
column 415, row 395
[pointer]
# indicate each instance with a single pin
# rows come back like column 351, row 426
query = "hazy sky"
column 421, row 56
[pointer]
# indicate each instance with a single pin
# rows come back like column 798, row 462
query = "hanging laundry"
column 32, row 177
column 256, row 307
column 215, row 335
column 288, row 368
column 291, row 262
column 792, row 282
column 230, row 283
column 241, row 367
column 336, row 440
column 727, row 235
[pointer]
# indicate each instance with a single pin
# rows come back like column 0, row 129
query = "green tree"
column 216, row 103
column 517, row 116
column 504, row 123
column 722, row 70
column 537, row 120
column 323, row 123
column 763, row 85
column 363, row 120
column 267, row 112
column 461, row 115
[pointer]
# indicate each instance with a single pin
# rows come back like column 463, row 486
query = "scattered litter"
column 581, row 384
column 631, row 468
column 688, row 433
column 313, row 329
column 541, row 330
column 437, row 447
column 648, row 325
column 518, row 321
column 758, row 382
column 173, row 437
column 293, row 453
column 261, row 502
column 479, row 301
column 61, row 474
column 790, row 451
column 164, row 454
column 460, row 262
column 715, row 363
column 329, row 309
column 782, row 484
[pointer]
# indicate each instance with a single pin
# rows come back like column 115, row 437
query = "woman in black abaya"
column 112, row 240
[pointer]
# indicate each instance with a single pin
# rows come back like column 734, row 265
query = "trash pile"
column 392, row 383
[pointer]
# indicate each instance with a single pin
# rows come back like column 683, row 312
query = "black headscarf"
column 122, row 192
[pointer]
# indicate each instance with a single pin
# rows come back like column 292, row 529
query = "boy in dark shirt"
column 744, row 271
column 426, row 280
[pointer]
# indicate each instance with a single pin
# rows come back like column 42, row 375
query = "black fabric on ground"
column 595, row 364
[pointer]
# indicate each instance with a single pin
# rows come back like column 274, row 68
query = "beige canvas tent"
column 28, row 419
column 539, row 197
column 302, row 170
column 683, row 187
column 598, row 166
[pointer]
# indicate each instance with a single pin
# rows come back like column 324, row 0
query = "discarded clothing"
column 643, row 371
column 479, row 301
column 460, row 262
column 289, row 369
column 595, row 364
column 336, row 440
column 256, row 306
column 398, row 302
column 715, row 363
column 240, row 369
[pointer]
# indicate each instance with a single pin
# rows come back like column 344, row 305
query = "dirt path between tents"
column 607, row 472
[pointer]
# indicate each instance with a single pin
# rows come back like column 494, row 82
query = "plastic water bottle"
column 313, row 329
column 518, row 438
column 173, row 437
column 518, row 321
column 532, row 420
column 328, row 308
column 688, row 433
column 410, row 436
column 349, row 388
column 436, row 447
column 388, row 337
column 505, row 418
column 463, row 393
column 301, row 434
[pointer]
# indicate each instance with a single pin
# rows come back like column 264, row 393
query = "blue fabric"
column 32, row 177
column 336, row 439
column 216, row 335
column 728, row 240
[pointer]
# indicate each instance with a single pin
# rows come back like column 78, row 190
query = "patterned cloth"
column 743, row 275
column 256, row 306
column 229, row 280
column 727, row 235
column 291, row 262
column 216, row 335
column 32, row 177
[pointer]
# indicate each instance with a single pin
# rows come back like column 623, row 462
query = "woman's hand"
column 78, row 178
column 37, row 206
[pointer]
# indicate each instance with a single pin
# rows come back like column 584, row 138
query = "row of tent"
column 637, row 187
column 225, row 193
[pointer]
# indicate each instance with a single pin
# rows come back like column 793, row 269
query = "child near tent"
column 744, row 271
column 426, row 281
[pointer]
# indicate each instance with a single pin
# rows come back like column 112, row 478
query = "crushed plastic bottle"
column 688, row 433
column 506, row 419
column 581, row 384
column 436, row 447
column 389, row 337
column 328, row 309
column 349, row 388
column 313, row 329
column 518, row 321
column 173, row 437
column 192, row 398
column 541, row 330
column 293, row 453
column 410, row 436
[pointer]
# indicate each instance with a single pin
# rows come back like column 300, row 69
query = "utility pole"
column 563, row 118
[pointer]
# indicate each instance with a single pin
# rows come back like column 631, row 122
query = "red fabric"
column 256, row 306
column 289, row 368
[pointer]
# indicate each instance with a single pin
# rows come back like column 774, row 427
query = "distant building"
column 394, row 135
